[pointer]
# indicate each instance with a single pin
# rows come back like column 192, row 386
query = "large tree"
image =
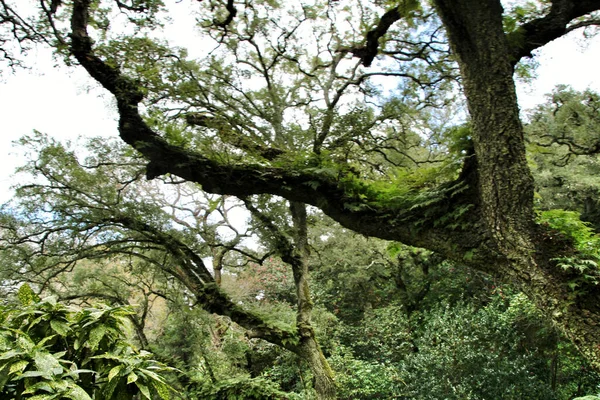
column 289, row 100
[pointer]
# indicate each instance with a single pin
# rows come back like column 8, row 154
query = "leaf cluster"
column 51, row 351
column 585, row 260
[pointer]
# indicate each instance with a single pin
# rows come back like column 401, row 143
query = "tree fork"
column 505, row 183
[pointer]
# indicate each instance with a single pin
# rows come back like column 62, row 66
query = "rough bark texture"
column 505, row 184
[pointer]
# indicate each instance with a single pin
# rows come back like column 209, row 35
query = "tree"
column 562, row 135
column 77, row 216
column 317, row 131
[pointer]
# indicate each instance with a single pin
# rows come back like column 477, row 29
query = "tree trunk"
column 505, row 182
column 517, row 247
column 308, row 348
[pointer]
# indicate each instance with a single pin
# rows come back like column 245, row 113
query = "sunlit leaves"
column 563, row 136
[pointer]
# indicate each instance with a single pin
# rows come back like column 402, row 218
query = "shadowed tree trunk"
column 308, row 348
column 513, row 242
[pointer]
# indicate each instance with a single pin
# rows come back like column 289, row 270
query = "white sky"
column 66, row 103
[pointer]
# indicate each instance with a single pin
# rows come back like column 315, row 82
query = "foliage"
column 244, row 388
column 360, row 379
column 51, row 351
column 264, row 109
column 583, row 235
column 586, row 241
column 467, row 335
column 562, row 134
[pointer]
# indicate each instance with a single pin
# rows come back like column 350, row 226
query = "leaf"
column 4, row 375
column 18, row 366
column 95, row 337
column 77, row 393
column 162, row 389
column 469, row 255
column 132, row 377
column 60, row 327
column 45, row 386
column 43, row 397
column 114, row 372
column 32, row 374
column 144, row 389
column 25, row 343
column 47, row 363
column 27, row 296
column 10, row 354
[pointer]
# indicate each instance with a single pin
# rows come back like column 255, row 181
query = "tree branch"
column 537, row 33
column 369, row 51
column 343, row 198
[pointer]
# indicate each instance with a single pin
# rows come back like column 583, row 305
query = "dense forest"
column 317, row 200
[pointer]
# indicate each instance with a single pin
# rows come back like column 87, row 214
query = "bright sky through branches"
column 66, row 103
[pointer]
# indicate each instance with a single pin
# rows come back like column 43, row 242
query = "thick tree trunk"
column 505, row 182
column 308, row 348
column 505, row 186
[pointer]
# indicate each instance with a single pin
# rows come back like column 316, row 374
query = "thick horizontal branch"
column 345, row 200
column 540, row 31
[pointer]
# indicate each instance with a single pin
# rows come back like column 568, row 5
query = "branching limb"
column 231, row 14
column 540, row 31
column 369, row 51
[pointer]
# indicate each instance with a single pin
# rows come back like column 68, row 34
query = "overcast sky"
column 65, row 103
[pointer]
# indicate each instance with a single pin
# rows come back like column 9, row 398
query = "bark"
column 296, row 255
column 505, row 185
column 368, row 52
column 553, row 25
column 308, row 348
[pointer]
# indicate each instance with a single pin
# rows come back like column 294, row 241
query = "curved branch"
column 540, row 31
column 344, row 198
column 369, row 51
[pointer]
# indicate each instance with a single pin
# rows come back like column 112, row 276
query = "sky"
column 66, row 103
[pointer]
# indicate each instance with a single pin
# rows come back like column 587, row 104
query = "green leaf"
column 143, row 389
column 27, row 296
column 132, row 377
column 47, row 363
column 162, row 389
column 25, row 343
column 95, row 337
column 114, row 372
column 77, row 393
column 19, row 366
column 4, row 375
column 45, row 386
column 32, row 374
column 44, row 397
column 60, row 327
